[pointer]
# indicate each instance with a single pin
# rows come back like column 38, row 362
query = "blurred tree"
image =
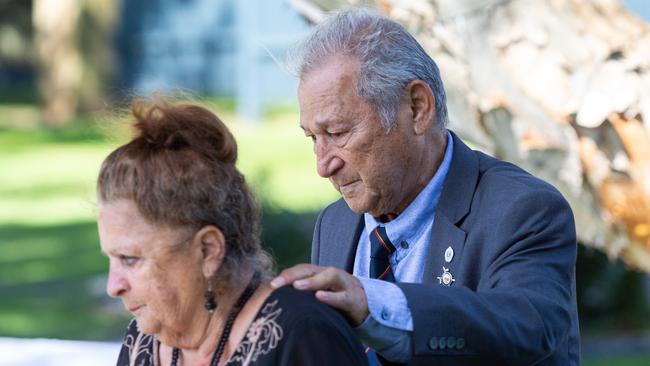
column 561, row 88
column 59, row 60
column 73, row 42
column 97, row 24
column 16, row 53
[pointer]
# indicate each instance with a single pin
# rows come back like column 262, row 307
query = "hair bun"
column 184, row 126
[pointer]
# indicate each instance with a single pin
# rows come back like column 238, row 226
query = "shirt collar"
column 413, row 221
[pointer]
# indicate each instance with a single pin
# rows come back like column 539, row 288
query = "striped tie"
column 380, row 249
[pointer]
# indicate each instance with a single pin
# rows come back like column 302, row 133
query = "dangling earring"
column 210, row 302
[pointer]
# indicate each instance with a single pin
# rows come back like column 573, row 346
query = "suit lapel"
column 444, row 235
column 344, row 229
column 454, row 205
column 458, row 189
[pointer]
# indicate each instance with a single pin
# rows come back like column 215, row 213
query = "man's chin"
column 356, row 204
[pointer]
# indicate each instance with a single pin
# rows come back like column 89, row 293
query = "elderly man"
column 457, row 258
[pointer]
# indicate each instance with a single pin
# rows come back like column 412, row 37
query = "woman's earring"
column 210, row 302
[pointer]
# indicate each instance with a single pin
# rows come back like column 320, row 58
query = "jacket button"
column 451, row 342
column 433, row 343
column 460, row 343
column 385, row 314
column 442, row 342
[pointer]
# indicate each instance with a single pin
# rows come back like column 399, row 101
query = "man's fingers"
column 326, row 279
column 350, row 299
column 333, row 287
column 339, row 300
column 295, row 273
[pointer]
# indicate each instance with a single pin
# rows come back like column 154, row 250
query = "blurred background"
column 559, row 87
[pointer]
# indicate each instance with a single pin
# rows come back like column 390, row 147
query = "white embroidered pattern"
column 139, row 348
column 262, row 336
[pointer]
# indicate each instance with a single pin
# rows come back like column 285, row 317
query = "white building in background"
column 211, row 47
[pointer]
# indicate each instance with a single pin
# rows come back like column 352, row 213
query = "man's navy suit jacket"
column 513, row 235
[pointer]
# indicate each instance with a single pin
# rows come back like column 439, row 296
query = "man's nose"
column 117, row 283
column 327, row 161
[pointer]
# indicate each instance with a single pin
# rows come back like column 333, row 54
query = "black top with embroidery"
column 291, row 328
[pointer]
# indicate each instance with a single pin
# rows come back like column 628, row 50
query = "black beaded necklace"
column 243, row 298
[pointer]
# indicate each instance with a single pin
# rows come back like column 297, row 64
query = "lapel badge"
column 446, row 278
column 449, row 254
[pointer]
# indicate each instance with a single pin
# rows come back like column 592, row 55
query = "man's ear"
column 423, row 105
column 212, row 243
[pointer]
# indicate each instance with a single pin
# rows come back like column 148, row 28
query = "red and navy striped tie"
column 380, row 249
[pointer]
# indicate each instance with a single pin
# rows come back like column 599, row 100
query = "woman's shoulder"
column 304, row 330
column 293, row 299
column 299, row 306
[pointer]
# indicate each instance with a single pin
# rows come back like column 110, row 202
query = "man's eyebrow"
column 324, row 123
column 318, row 125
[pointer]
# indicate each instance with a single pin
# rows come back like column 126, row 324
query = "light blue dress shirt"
column 389, row 326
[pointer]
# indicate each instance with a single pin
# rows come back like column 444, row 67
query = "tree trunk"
column 559, row 87
column 59, row 60
column 73, row 46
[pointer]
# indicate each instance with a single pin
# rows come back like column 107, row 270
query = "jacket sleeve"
column 521, row 309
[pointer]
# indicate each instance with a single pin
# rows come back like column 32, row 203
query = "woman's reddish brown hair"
column 179, row 169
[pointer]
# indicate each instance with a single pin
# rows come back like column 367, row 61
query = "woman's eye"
column 128, row 260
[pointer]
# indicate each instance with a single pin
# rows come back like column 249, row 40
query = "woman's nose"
column 117, row 283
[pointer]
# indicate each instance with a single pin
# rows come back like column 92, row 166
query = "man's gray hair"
column 390, row 58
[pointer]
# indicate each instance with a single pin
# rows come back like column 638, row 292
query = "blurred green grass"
column 48, row 175
column 639, row 360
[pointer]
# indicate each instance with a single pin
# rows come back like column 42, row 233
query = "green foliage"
column 611, row 297
column 287, row 235
column 638, row 360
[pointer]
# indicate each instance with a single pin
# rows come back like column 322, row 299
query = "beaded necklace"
column 243, row 298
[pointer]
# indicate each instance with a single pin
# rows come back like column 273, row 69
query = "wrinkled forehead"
column 328, row 91
column 334, row 71
column 122, row 228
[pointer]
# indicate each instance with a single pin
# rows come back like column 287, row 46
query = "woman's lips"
column 134, row 309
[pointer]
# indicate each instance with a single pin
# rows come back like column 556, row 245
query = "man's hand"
column 333, row 287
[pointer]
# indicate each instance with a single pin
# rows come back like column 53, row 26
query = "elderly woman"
column 181, row 230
